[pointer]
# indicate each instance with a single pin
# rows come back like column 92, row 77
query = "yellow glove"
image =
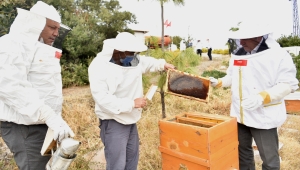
column 215, row 82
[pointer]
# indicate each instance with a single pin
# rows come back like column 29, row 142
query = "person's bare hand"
column 169, row 66
column 140, row 102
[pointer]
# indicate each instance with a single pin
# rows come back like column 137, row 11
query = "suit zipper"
column 241, row 95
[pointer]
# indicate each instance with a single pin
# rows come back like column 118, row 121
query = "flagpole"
column 168, row 24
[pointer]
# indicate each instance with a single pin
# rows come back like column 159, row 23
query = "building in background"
column 139, row 32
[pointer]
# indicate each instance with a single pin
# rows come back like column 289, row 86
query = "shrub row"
column 297, row 64
column 217, row 51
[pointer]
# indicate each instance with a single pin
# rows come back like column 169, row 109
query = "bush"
column 217, row 51
column 74, row 75
column 287, row 41
column 297, row 64
column 213, row 73
column 216, row 74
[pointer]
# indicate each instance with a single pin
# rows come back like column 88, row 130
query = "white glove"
column 252, row 102
column 60, row 128
column 213, row 81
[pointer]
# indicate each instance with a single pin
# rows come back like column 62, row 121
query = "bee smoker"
column 64, row 155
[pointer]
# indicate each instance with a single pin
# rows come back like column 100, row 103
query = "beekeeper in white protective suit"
column 182, row 45
column 260, row 74
column 31, row 86
column 115, row 77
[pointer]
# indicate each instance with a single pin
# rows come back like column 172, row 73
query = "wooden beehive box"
column 187, row 85
column 199, row 141
column 292, row 103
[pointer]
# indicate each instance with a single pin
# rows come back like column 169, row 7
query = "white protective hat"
column 250, row 29
column 126, row 41
column 45, row 10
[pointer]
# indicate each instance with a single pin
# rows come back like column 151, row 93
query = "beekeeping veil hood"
column 50, row 12
column 254, row 19
column 124, row 41
column 27, row 26
column 250, row 30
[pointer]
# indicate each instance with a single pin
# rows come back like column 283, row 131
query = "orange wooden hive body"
column 292, row 103
column 199, row 141
column 292, row 106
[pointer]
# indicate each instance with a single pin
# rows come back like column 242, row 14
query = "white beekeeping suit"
column 30, row 72
column 31, row 86
column 254, row 73
column 182, row 45
column 198, row 45
column 114, row 87
column 260, row 74
column 18, row 97
column 45, row 70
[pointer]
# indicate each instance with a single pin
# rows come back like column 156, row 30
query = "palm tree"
column 163, row 75
column 162, row 2
column 176, row 2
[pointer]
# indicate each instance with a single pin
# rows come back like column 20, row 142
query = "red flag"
column 166, row 22
column 168, row 25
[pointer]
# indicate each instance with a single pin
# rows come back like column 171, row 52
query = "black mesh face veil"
column 236, row 48
column 63, row 31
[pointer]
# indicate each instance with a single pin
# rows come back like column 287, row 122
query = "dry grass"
column 78, row 112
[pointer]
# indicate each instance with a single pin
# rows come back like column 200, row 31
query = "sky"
column 209, row 19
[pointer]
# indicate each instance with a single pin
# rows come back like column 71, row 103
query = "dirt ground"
column 216, row 63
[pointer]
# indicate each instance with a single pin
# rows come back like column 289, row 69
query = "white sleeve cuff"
column 279, row 91
column 226, row 81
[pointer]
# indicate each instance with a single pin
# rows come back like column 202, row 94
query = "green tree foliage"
column 297, row 64
column 213, row 73
column 176, row 40
column 152, row 41
column 8, row 12
column 287, row 41
column 235, row 28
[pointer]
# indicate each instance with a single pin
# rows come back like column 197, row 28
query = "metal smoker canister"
column 64, row 155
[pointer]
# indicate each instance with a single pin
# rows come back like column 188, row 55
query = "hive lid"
column 187, row 85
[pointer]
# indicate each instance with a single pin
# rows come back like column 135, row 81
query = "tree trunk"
column 163, row 106
column 162, row 27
